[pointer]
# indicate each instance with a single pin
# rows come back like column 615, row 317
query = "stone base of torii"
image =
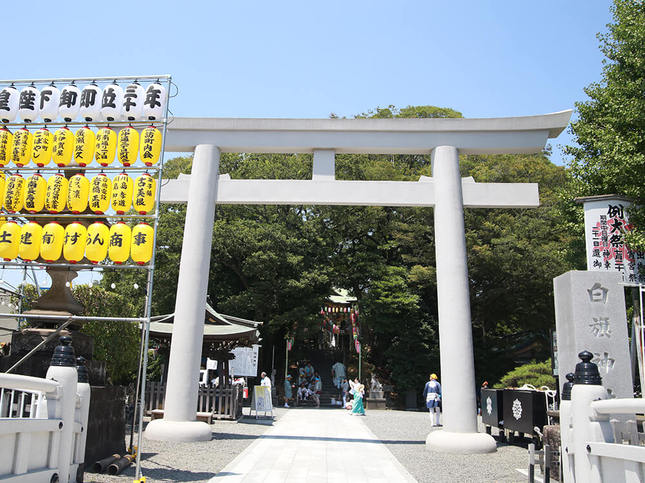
column 444, row 139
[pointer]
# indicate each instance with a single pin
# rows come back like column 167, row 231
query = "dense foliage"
column 609, row 157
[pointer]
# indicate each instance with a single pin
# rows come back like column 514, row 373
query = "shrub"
column 535, row 373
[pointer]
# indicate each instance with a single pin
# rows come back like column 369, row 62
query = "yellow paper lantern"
column 63, row 147
column 78, row 193
column 142, row 243
column 128, row 146
column 98, row 240
column 22, row 143
column 150, row 147
column 105, row 146
column 74, row 242
column 35, row 193
column 119, row 249
column 100, row 193
column 6, row 146
column 51, row 241
column 41, row 151
column 30, row 238
column 84, row 146
column 9, row 240
column 13, row 193
column 56, row 197
column 122, row 188
column 144, row 193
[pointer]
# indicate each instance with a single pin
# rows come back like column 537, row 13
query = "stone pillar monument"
column 179, row 422
column 459, row 416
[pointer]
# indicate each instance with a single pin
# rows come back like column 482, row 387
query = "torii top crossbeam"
column 527, row 134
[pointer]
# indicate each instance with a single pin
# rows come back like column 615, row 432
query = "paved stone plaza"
column 316, row 446
column 321, row 445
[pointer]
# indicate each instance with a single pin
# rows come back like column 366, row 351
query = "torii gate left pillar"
column 445, row 139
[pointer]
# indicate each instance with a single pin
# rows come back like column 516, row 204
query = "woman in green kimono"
column 357, row 405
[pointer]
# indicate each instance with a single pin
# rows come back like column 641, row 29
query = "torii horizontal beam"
column 526, row 134
column 355, row 193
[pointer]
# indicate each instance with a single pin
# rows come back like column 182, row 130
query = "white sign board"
column 245, row 362
column 605, row 222
column 263, row 401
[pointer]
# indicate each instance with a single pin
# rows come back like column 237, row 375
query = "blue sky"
column 485, row 58
column 308, row 59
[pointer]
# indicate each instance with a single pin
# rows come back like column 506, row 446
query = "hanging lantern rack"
column 75, row 317
column 28, row 82
column 80, row 168
column 73, row 216
column 98, row 124
column 162, row 123
column 78, row 266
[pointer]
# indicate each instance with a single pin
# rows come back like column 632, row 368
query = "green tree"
column 537, row 374
column 116, row 343
column 609, row 157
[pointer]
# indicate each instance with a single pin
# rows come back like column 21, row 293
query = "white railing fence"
column 43, row 426
column 600, row 441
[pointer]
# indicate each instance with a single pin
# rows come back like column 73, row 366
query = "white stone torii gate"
column 444, row 139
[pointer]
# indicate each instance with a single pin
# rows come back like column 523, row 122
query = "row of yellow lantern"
column 78, row 193
column 96, row 242
column 63, row 146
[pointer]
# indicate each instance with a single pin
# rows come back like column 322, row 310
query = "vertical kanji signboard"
column 606, row 221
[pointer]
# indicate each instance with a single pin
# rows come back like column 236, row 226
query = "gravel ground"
column 164, row 461
column 405, row 432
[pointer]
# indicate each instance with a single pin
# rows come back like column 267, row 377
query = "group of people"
column 309, row 385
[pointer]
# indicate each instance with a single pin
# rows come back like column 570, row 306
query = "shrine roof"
column 216, row 327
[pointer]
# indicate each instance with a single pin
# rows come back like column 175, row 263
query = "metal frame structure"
column 154, row 216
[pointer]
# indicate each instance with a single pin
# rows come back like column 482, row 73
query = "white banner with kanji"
column 606, row 221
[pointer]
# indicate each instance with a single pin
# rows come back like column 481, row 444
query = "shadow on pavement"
column 344, row 440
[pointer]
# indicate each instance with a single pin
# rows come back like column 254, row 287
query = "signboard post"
column 606, row 220
column 262, row 400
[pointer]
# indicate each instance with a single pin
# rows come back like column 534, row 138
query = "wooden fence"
column 222, row 402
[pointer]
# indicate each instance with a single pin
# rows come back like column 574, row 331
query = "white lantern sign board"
column 91, row 102
column 9, row 97
column 70, row 102
column 606, row 220
column 29, row 104
column 112, row 102
column 49, row 100
column 154, row 105
column 133, row 99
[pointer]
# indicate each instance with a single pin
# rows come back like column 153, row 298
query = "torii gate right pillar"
column 459, row 416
